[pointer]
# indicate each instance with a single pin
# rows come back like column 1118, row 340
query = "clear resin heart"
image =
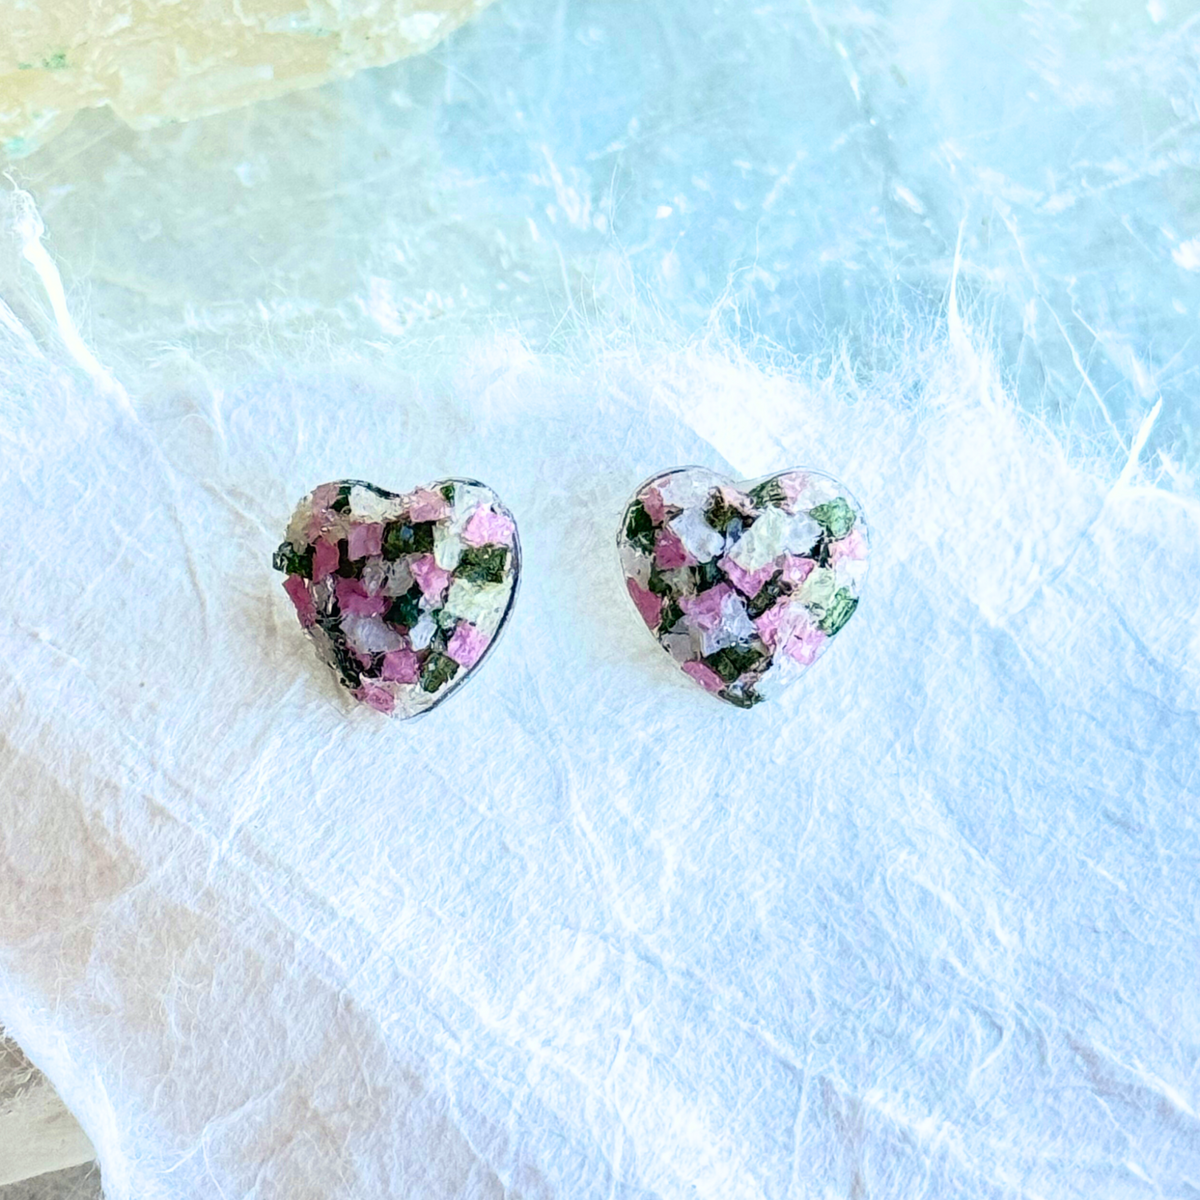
column 402, row 595
column 744, row 585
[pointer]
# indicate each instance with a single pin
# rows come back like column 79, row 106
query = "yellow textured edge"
column 154, row 62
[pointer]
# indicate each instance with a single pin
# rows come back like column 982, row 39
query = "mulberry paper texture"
column 928, row 929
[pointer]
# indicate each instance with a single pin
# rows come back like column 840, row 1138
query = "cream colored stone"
column 155, row 61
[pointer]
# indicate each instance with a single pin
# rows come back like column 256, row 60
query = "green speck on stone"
column 839, row 612
column 291, row 561
column 835, row 516
column 670, row 616
column 438, row 670
column 56, row 62
column 446, row 620
column 16, row 147
column 405, row 610
column 24, row 66
column 342, row 503
column 719, row 513
column 741, row 697
column 733, row 661
column 482, row 564
column 639, row 529
column 769, row 493
column 707, row 575
column 447, row 490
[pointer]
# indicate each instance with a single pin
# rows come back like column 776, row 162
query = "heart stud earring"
column 744, row 585
column 402, row 595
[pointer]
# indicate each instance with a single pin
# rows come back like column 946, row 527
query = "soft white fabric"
column 927, row 928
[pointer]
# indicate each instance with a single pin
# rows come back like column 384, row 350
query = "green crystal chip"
column 349, row 568
column 766, row 596
column 836, row 517
column 719, row 513
column 347, row 665
column 741, row 697
column 400, row 537
column 733, row 661
column 639, row 529
column 396, row 536
column 292, row 561
column 669, row 616
column 707, row 575
column 769, row 493
column 405, row 610
column 656, row 583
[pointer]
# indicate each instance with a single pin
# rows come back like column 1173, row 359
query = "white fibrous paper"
column 922, row 926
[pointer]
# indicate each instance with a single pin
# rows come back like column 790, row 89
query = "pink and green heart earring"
column 744, row 585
